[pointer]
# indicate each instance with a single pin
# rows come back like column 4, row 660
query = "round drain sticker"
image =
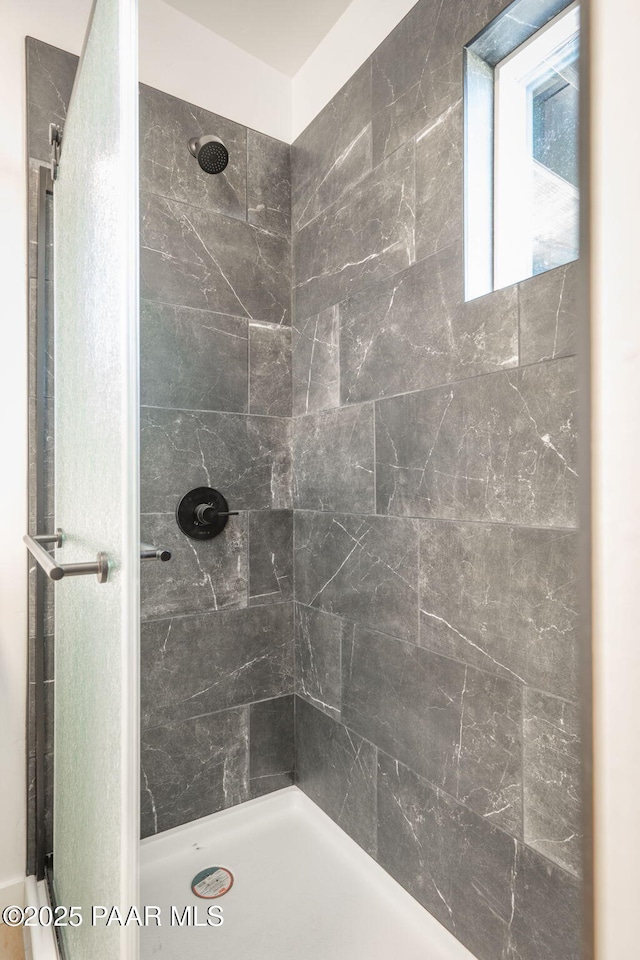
column 212, row 882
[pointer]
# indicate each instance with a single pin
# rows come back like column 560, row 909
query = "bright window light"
column 536, row 195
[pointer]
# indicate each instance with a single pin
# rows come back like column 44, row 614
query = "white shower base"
column 303, row 889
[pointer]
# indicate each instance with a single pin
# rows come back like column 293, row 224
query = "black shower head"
column 210, row 152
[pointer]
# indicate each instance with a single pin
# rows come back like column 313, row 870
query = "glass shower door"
column 96, row 488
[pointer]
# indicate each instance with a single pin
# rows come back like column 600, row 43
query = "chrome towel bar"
column 55, row 570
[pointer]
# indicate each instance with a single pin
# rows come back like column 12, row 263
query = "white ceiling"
column 282, row 33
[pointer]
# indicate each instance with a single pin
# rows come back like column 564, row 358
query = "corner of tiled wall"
column 434, row 471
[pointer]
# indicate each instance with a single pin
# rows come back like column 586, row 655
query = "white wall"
column 180, row 57
column 361, row 28
column 615, row 333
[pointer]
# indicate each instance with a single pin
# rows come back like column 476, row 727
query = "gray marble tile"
column 49, row 365
column 167, row 167
column 406, row 700
column 32, row 222
column 414, row 331
column 49, row 658
column 261, row 786
column 456, row 864
column 270, row 556
column 502, row 598
column 193, row 666
column 333, row 460
column 246, row 458
column 417, row 71
column 199, row 259
column 270, row 370
column 50, row 76
column 364, row 237
column 363, row 568
column 548, row 314
column 192, row 359
column 337, row 770
column 31, row 817
column 499, row 447
column 269, row 183
column 516, row 24
column 48, row 468
column 201, row 575
column 439, row 184
column 552, row 758
column 48, row 802
column 193, row 768
column 459, row 728
column 271, row 748
column 49, row 596
column 487, row 772
column 316, row 363
column 334, row 152
column 319, row 637
column 547, row 911
column 49, row 689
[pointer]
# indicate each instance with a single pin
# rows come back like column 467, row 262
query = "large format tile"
column 439, row 184
column 333, row 460
column 414, row 331
column 270, row 556
column 271, row 744
column 499, row 447
column 487, row 772
column 32, row 222
column 552, row 757
column 547, row 911
column 365, row 236
column 48, row 464
column 48, row 379
column 334, row 152
column 246, row 458
column 316, row 365
column 406, row 700
column 50, row 76
column 270, row 370
column 193, row 768
column 502, row 598
column 268, row 183
column 337, row 770
column 198, row 665
column 456, row 726
column 417, row 70
column 363, row 568
column 548, row 314
column 168, row 168
column 457, row 865
column 196, row 258
column 319, row 638
column 192, row 359
column 201, row 575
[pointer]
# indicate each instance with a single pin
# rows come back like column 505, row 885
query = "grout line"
column 424, row 519
column 445, row 656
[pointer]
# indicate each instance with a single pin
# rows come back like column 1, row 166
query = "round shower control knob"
column 203, row 513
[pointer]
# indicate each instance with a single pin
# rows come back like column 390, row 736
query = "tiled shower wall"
column 217, row 632
column 435, row 515
column 434, row 486
column 217, row 636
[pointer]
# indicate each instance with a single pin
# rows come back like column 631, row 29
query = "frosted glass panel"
column 96, row 483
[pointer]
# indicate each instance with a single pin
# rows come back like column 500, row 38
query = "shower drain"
column 212, row 882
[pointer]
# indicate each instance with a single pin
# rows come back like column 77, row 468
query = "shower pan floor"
column 302, row 889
